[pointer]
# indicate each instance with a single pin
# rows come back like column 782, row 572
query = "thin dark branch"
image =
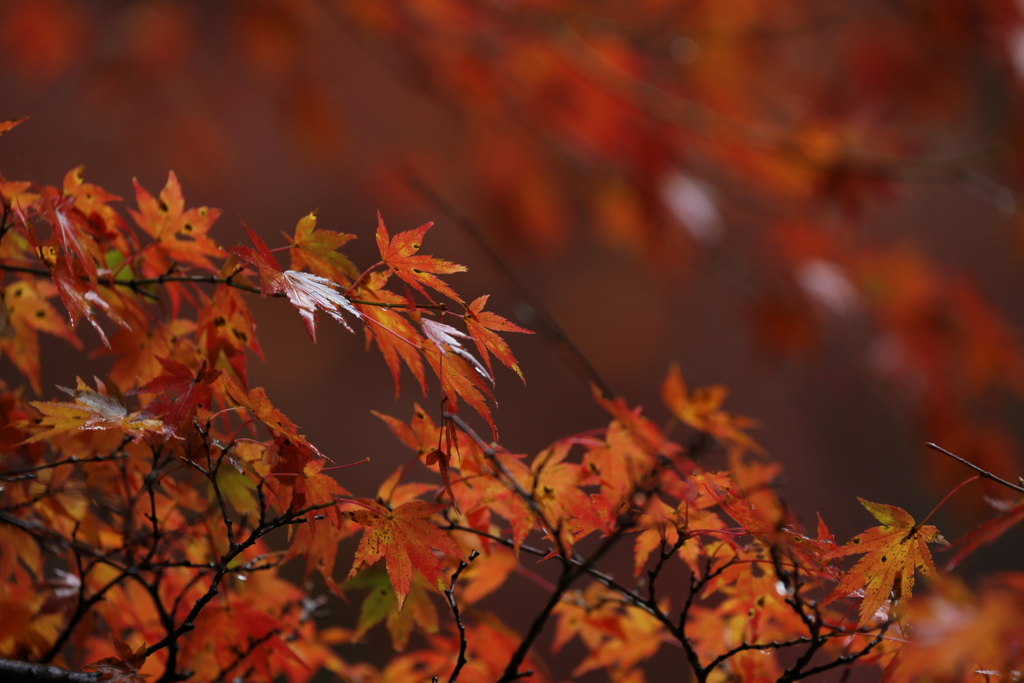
column 12, row 475
column 570, row 574
column 188, row 623
column 253, row 644
column 720, row 659
column 490, row 451
column 81, row 609
column 663, row 556
column 450, row 596
column 49, row 536
column 846, row 659
column 136, row 284
column 633, row 598
column 696, row 586
column 984, row 473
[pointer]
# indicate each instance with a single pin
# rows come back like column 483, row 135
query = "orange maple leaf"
column 28, row 313
column 406, row 539
column 891, row 553
column 701, row 410
column 399, row 254
column 315, row 488
column 481, row 325
column 179, row 234
column 258, row 403
column 396, row 337
column 458, row 378
column 316, row 249
column 102, row 409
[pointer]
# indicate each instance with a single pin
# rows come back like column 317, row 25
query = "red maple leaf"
column 396, row 337
column 121, row 669
column 399, row 254
column 179, row 391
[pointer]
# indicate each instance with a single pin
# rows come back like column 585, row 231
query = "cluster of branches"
column 133, row 541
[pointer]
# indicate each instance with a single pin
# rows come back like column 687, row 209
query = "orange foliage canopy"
column 143, row 525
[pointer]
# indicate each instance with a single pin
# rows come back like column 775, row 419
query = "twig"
column 21, row 472
column 450, row 596
column 136, row 283
column 570, row 574
column 188, row 624
column 984, row 473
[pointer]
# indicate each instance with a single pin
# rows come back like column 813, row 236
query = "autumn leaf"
column 93, row 202
column 306, row 291
column 406, row 539
column 102, row 409
column 380, row 603
column 258, row 403
column 445, row 338
column 986, row 532
column 701, row 410
column 458, row 379
column 70, row 231
column 225, row 327
column 78, row 293
column 178, row 392
column 80, row 299
column 396, row 337
column 486, row 574
column 24, row 312
column 316, row 250
column 7, row 125
column 180, row 236
column 18, row 195
column 482, row 326
column 314, row 489
column 891, row 552
column 958, row 632
column 399, row 254
column 121, row 669
column 320, row 548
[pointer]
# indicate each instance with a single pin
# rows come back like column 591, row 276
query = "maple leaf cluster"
column 144, row 521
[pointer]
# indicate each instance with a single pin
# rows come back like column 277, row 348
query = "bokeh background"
column 815, row 203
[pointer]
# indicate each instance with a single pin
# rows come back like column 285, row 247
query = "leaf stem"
column 949, row 495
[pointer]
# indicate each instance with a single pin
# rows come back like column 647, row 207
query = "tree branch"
column 450, row 597
column 12, row 671
column 985, row 474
